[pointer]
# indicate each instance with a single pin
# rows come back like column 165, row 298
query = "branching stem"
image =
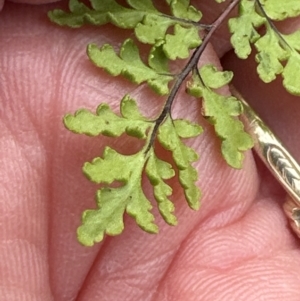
column 192, row 63
column 197, row 24
column 261, row 8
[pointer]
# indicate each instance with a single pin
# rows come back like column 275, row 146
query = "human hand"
column 238, row 246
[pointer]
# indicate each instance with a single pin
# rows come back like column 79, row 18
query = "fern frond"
column 277, row 54
column 128, row 170
column 175, row 33
column 222, row 111
column 130, row 65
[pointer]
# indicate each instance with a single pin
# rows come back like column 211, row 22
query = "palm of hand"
column 237, row 247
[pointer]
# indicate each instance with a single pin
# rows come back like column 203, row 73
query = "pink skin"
column 237, row 247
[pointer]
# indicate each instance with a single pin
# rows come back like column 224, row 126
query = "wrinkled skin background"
column 237, row 247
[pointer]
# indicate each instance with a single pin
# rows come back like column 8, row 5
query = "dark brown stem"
column 192, row 63
column 263, row 12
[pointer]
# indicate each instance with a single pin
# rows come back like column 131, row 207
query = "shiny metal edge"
column 276, row 157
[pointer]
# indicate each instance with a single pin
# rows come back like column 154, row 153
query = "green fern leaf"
column 277, row 53
column 107, row 220
column 214, row 78
column 169, row 139
column 158, row 171
column 187, row 178
column 102, row 12
column 280, row 10
column 243, row 28
column 182, row 9
column 293, row 39
column 79, row 16
column 153, row 28
column 145, row 5
column 100, row 171
column 291, row 74
column 129, row 64
column 177, row 45
column 222, row 111
column 127, row 170
column 170, row 37
column 270, row 54
column 183, row 157
column 149, row 24
column 113, row 202
column 157, row 59
column 107, row 123
column 186, row 129
column 131, row 18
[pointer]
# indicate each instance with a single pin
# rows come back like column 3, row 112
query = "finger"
column 63, row 81
column 248, row 259
column 128, row 256
column 121, row 258
column 261, row 251
column 72, row 85
column 35, row 2
column 33, row 76
column 24, row 188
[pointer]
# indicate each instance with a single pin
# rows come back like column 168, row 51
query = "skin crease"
column 237, row 247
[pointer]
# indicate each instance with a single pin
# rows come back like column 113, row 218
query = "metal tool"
column 277, row 158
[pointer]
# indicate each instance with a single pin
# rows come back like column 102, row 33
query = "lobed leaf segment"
column 177, row 34
column 128, row 170
column 277, row 53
